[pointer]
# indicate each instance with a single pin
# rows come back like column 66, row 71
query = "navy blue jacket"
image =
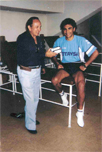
column 28, row 54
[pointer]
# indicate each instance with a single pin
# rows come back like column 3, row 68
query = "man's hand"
column 60, row 66
column 50, row 54
column 43, row 71
column 82, row 68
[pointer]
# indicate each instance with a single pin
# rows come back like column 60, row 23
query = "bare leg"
column 80, row 85
column 56, row 80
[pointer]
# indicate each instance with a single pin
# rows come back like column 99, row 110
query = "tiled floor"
column 53, row 132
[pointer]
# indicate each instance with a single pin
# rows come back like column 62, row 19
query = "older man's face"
column 35, row 28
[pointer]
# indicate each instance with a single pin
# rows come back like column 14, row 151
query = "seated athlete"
column 71, row 64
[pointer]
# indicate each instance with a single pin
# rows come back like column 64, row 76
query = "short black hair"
column 68, row 21
column 30, row 21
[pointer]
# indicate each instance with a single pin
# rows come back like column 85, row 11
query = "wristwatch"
column 84, row 65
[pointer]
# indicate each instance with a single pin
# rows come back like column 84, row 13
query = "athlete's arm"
column 57, row 64
column 91, row 59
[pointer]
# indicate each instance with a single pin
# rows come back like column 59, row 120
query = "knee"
column 54, row 80
column 81, row 85
column 80, row 82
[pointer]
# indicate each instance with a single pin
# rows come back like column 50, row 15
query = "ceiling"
column 25, row 10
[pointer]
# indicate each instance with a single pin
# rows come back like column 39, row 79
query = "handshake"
column 56, row 50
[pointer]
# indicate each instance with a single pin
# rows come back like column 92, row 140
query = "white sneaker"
column 80, row 120
column 64, row 99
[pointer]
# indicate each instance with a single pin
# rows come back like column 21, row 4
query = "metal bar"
column 93, row 74
column 5, row 84
column 6, row 89
column 100, row 84
column 92, row 80
column 61, row 83
column 70, row 107
column 13, row 85
column 18, row 92
column 60, row 104
column 55, row 91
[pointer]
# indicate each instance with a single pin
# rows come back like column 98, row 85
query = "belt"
column 29, row 68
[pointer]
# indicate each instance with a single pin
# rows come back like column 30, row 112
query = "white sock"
column 80, row 110
column 62, row 93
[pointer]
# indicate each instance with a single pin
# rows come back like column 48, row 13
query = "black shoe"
column 37, row 122
column 21, row 115
column 18, row 115
column 32, row 131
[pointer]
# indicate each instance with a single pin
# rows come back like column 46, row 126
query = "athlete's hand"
column 60, row 66
column 82, row 68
